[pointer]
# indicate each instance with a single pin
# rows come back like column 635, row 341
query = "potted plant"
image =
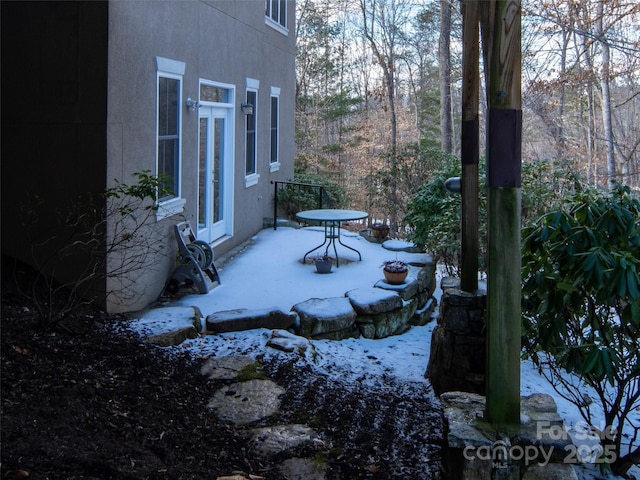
column 395, row 271
column 323, row 264
column 380, row 230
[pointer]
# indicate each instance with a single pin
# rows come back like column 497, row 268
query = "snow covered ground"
column 268, row 272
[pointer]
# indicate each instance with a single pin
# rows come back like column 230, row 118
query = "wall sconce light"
column 192, row 104
column 246, row 108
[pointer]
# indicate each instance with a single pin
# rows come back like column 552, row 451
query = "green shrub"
column 544, row 183
column 434, row 218
column 581, row 307
column 434, row 215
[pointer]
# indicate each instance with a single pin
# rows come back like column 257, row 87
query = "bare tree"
column 384, row 23
column 580, row 55
column 605, row 78
column 444, row 58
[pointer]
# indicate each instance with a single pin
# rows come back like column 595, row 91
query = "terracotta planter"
column 395, row 278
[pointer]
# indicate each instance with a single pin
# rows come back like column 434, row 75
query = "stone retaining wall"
column 376, row 312
column 458, row 345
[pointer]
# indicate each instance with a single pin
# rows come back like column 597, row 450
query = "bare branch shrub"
column 90, row 241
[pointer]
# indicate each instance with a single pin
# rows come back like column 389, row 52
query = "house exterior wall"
column 219, row 41
column 79, row 114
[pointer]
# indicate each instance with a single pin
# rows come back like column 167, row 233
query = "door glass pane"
column 218, row 156
column 202, row 173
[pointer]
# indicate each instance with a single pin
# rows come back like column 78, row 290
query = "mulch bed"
column 80, row 401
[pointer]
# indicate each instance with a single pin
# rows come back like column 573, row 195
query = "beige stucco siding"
column 224, row 42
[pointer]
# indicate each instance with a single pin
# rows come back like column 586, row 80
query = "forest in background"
column 378, row 100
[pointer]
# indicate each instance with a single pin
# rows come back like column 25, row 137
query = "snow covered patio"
column 267, row 274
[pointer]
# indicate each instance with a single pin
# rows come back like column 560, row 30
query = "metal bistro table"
column 331, row 218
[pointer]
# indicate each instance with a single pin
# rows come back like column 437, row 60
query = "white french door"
column 215, row 185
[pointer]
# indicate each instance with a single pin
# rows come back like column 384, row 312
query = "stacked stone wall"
column 458, row 345
column 377, row 312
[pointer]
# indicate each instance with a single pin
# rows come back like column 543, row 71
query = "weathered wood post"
column 504, row 215
column 470, row 149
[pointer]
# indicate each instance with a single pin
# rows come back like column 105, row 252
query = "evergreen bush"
column 581, row 310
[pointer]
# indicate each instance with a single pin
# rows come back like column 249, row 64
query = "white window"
column 276, row 14
column 274, row 153
column 169, row 134
column 251, row 134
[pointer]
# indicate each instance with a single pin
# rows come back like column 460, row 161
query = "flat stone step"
column 400, row 246
column 368, row 301
column 267, row 441
column 249, row 319
column 322, row 316
column 168, row 326
column 247, row 402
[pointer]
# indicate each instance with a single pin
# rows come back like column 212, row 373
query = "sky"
column 268, row 272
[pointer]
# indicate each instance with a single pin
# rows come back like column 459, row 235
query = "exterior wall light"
column 192, row 104
column 246, row 108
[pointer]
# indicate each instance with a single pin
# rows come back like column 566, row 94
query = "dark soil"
column 80, row 401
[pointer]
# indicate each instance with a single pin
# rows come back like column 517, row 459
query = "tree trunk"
column 444, row 60
column 559, row 134
column 389, row 74
column 385, row 52
column 606, row 97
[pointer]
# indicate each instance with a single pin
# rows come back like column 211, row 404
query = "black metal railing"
column 324, row 199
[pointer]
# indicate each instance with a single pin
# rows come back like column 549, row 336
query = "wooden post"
column 470, row 147
column 504, row 216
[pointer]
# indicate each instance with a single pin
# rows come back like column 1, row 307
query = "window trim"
column 168, row 68
column 274, row 165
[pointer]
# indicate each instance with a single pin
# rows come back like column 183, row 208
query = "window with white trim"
column 274, row 153
column 276, row 13
column 251, row 134
column 169, row 134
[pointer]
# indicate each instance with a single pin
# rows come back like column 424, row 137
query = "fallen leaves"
column 22, row 351
column 18, row 474
column 241, row 476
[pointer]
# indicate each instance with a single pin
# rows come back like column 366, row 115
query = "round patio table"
column 331, row 218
